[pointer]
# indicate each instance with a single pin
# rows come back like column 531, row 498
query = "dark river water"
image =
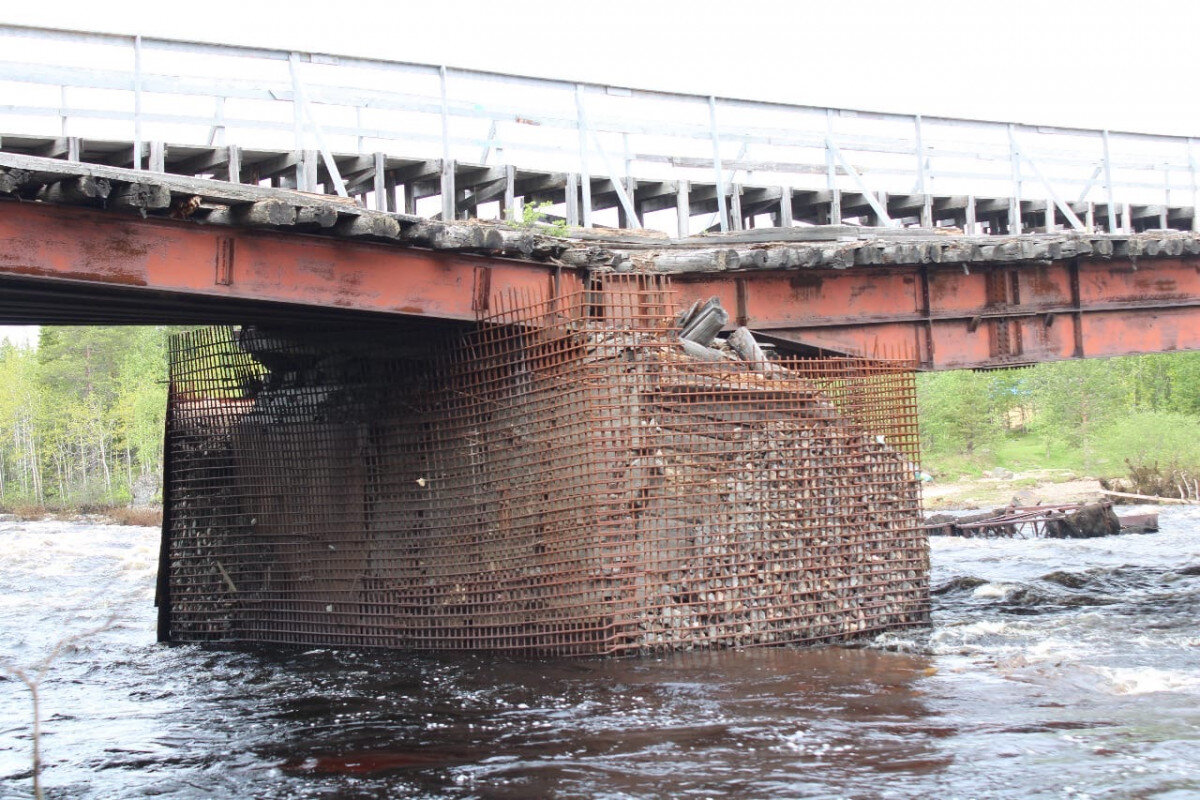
column 1063, row 669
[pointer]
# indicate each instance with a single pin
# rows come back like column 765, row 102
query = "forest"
column 81, row 417
column 1097, row 417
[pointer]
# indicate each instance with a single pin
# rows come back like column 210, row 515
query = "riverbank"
column 1028, row 488
column 148, row 516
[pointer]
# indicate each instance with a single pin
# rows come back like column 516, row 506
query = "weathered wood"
column 702, row 353
column 84, row 189
column 13, row 180
column 1147, row 497
column 369, row 224
column 264, row 212
column 703, row 325
column 317, row 217
column 682, row 209
column 207, row 190
column 744, row 344
column 141, row 197
column 697, row 260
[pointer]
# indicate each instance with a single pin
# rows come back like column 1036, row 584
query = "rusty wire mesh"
column 562, row 480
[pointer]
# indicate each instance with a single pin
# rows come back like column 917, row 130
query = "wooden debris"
column 746, row 346
column 704, row 323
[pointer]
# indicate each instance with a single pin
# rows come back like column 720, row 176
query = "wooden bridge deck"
column 391, row 183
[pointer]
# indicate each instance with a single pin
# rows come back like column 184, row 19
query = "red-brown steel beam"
column 945, row 315
column 64, row 243
column 950, row 316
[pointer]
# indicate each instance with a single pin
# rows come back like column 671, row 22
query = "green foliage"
column 533, row 215
column 81, row 415
column 1086, row 416
column 960, row 410
column 1146, row 438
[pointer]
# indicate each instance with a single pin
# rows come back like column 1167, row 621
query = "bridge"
column 115, row 245
column 959, row 243
column 437, row 430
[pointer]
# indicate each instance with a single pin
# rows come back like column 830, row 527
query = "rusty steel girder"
column 951, row 316
column 70, row 249
column 75, row 264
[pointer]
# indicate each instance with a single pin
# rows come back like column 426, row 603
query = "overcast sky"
column 1121, row 65
column 1097, row 64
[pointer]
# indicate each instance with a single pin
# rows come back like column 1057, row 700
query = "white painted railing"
column 141, row 89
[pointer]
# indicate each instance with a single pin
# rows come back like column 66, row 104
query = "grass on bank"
column 1169, row 440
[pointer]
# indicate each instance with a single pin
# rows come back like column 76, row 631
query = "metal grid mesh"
column 563, row 480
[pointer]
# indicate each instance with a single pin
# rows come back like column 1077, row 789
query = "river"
column 1056, row 669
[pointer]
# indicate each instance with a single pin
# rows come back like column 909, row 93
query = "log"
column 370, row 224
column 82, row 189
column 702, row 353
column 697, row 260
column 141, row 197
column 746, row 346
column 264, row 213
column 12, row 180
column 50, row 170
column 319, row 217
column 588, row 257
column 1149, row 498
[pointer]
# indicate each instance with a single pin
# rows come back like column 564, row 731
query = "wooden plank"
column 380, row 181
column 233, row 164
column 571, row 198
column 735, row 207
column 510, row 193
column 682, row 210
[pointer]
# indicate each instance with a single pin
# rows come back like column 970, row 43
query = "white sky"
column 1097, row 64
column 1121, row 65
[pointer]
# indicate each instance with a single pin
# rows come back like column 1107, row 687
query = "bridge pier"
column 562, row 480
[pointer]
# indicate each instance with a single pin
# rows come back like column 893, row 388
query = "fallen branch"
column 1149, row 497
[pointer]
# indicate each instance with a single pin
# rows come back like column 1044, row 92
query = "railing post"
column 510, row 193
column 683, row 209
column 137, row 102
column 1192, row 179
column 835, row 199
column 1014, row 204
column 785, row 206
column 1108, row 185
column 722, row 209
column 449, row 196
column 379, row 180
column 585, row 176
column 571, row 199
column 62, row 110
column 922, row 178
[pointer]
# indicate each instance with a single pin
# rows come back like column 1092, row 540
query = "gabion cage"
column 564, row 479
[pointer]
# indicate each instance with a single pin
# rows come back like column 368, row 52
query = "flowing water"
column 1064, row 669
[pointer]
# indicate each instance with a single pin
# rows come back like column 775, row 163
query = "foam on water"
column 1054, row 669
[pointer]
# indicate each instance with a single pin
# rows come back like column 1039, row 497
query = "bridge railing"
column 146, row 90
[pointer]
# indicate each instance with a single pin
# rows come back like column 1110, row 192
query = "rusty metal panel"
column 1158, row 280
column 562, row 480
column 210, row 264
